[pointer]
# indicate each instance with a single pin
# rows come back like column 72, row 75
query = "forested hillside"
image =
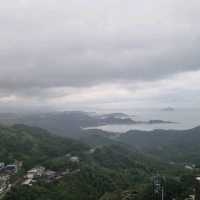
column 34, row 145
column 110, row 172
column 169, row 145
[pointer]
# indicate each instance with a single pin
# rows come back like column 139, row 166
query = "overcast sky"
column 93, row 54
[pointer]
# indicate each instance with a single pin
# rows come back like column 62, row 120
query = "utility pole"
column 162, row 192
column 158, row 188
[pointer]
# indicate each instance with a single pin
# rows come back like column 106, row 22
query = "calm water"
column 185, row 118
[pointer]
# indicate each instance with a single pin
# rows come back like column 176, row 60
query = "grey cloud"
column 49, row 44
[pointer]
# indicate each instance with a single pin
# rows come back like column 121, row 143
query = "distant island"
column 124, row 119
column 160, row 122
column 116, row 115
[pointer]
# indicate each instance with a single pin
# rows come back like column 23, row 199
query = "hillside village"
column 6, row 173
column 10, row 174
column 40, row 173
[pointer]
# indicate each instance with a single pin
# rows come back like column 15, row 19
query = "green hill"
column 169, row 145
column 34, row 145
column 110, row 172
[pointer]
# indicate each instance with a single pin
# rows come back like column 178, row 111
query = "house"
column 68, row 155
column 11, row 168
column 28, row 182
column 32, row 174
column 4, row 182
column 36, row 172
column 74, row 159
column 91, row 151
column 29, row 176
column 50, row 176
column 189, row 167
column 2, row 186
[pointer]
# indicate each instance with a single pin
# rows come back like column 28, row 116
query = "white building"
column 74, row 159
column 33, row 173
column 36, row 172
column 4, row 181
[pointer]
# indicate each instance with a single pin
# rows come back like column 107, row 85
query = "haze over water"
column 184, row 118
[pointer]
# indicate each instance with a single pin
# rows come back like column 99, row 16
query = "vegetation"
column 34, row 145
column 169, row 145
column 111, row 172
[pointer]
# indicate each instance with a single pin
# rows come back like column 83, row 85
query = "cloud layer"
column 53, row 51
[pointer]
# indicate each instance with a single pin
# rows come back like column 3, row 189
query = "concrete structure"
column 11, row 168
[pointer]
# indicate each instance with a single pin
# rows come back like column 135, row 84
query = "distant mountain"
column 70, row 123
column 115, row 115
column 160, row 122
column 176, row 145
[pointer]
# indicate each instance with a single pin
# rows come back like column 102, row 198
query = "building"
column 32, row 174
column 11, row 168
column 36, row 172
column 91, row 151
column 50, row 176
column 4, row 182
column 28, row 182
column 189, row 167
column 74, row 159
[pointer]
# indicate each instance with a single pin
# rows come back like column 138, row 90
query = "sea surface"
column 184, row 118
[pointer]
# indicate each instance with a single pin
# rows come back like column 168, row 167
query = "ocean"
column 184, row 118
